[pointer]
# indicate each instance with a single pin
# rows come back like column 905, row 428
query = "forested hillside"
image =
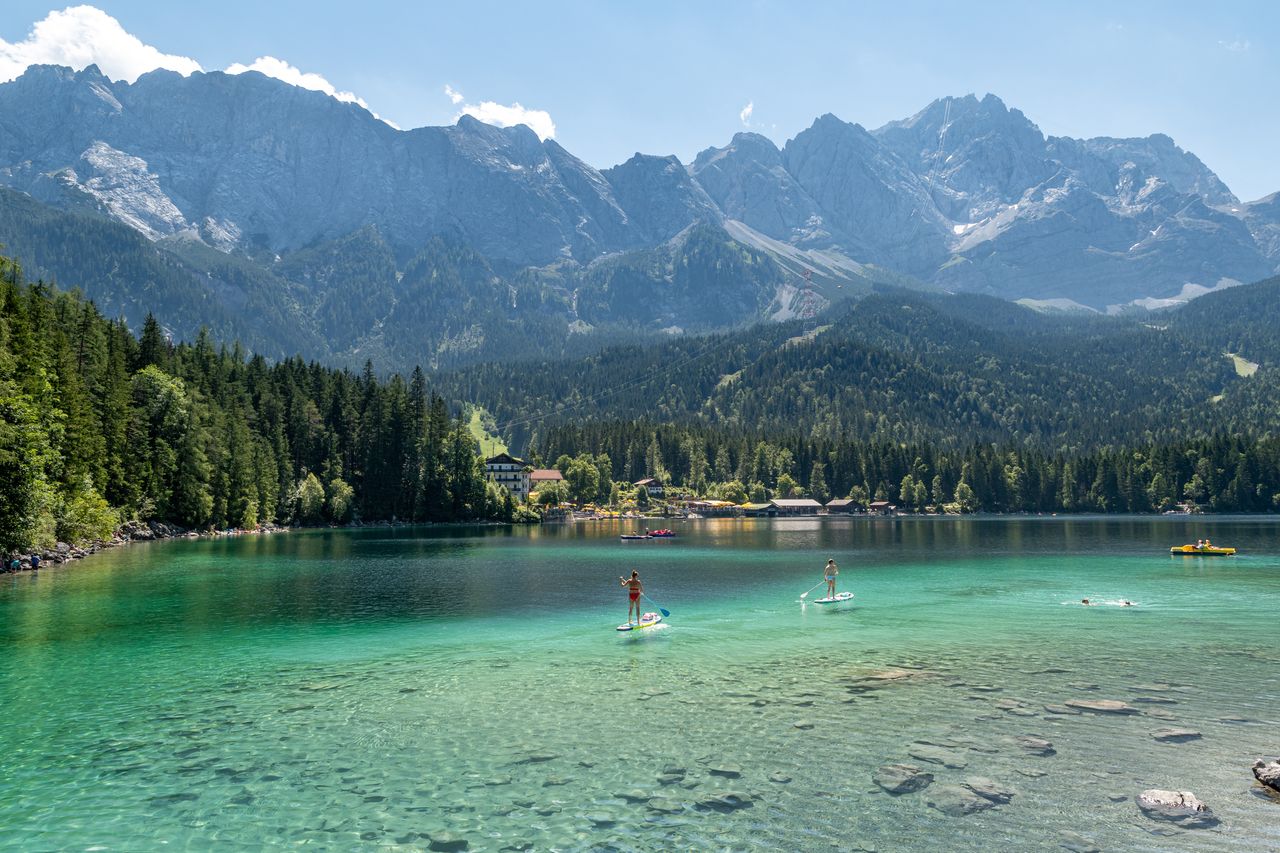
column 900, row 366
column 97, row 425
column 967, row 402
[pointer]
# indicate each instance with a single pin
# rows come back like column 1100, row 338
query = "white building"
column 510, row 473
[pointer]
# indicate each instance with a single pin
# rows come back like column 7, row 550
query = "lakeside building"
column 882, row 508
column 713, row 509
column 510, row 473
column 766, row 510
column 652, row 486
column 541, row 476
column 841, row 506
column 796, row 506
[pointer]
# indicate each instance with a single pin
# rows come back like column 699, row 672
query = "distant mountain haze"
column 324, row 210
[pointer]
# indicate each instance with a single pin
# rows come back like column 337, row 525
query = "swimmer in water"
column 1085, row 602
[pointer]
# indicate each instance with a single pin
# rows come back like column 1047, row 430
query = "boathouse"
column 796, row 506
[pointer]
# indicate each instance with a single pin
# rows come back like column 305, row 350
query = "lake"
column 419, row 688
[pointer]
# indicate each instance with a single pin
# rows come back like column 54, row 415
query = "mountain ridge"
column 966, row 195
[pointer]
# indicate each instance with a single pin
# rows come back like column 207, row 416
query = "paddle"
column 805, row 595
column 664, row 611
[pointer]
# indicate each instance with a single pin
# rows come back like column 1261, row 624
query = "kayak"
column 627, row 537
column 1193, row 551
column 648, row 620
column 841, row 598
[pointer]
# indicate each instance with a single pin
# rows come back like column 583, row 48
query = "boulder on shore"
column 1180, row 807
column 1268, row 773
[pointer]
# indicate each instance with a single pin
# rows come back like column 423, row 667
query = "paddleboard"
column 648, row 620
column 840, row 598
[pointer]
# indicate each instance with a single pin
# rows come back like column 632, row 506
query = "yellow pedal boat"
column 1205, row 551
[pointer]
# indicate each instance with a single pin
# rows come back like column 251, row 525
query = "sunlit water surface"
column 399, row 688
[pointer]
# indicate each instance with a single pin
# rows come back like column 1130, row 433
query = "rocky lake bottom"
column 452, row 690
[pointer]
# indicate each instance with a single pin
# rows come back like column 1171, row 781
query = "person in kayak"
column 634, row 588
column 830, row 573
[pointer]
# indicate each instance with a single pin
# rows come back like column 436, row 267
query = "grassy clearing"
column 490, row 444
column 1243, row 366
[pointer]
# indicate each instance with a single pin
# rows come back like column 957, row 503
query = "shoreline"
column 157, row 531
column 145, row 532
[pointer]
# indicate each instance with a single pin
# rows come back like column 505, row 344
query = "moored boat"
column 1202, row 551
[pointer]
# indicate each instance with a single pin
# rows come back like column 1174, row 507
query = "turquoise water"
column 384, row 688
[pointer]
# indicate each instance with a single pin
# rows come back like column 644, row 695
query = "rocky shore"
column 153, row 531
column 133, row 531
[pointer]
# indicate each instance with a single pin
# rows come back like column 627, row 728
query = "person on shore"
column 35, row 562
column 830, row 573
column 634, row 589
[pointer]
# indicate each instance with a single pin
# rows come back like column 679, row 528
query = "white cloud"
column 1237, row 46
column 745, row 115
column 80, row 36
column 454, row 96
column 283, row 71
column 501, row 115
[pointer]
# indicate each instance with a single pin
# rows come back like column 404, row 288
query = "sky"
column 608, row 79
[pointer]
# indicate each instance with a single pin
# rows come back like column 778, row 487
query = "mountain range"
column 299, row 223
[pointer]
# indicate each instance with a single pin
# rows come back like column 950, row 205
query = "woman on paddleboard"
column 830, row 573
column 634, row 588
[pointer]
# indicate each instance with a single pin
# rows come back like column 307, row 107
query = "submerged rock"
column 955, row 801
column 728, row 771
column 446, row 841
column 1101, row 706
column 1077, row 843
column 989, row 789
column 726, row 801
column 1035, row 745
column 898, row 779
column 1268, row 773
column 662, row 805
column 937, row 755
column 1180, row 807
column 1176, row 735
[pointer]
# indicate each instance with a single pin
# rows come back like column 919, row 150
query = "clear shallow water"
column 382, row 688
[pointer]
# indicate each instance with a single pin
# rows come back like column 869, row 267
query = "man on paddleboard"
column 634, row 588
column 830, row 573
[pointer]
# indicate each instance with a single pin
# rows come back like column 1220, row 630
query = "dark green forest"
column 98, row 426
column 900, row 366
column 962, row 401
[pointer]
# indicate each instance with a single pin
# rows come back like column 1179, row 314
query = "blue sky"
column 673, row 78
